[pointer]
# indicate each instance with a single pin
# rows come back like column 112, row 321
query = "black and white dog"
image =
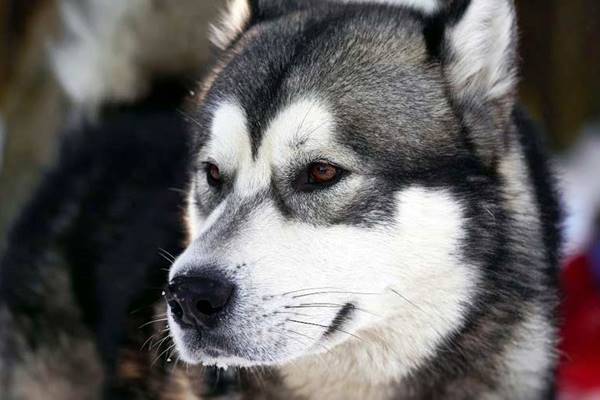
column 369, row 212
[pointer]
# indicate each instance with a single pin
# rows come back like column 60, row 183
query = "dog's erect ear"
column 480, row 49
column 476, row 43
column 239, row 15
column 234, row 20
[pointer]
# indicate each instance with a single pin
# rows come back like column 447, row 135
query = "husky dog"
column 369, row 212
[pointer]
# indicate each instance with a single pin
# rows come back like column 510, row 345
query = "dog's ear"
column 234, row 20
column 476, row 43
column 481, row 46
column 240, row 15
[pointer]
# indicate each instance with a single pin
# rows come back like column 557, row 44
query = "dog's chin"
column 194, row 349
column 209, row 357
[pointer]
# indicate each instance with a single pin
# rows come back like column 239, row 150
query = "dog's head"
column 340, row 150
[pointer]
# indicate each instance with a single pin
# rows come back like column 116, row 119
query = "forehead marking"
column 231, row 149
column 229, row 144
column 304, row 126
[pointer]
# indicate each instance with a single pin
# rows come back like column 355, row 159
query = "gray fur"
column 392, row 76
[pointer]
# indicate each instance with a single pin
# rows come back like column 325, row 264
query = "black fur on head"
column 474, row 41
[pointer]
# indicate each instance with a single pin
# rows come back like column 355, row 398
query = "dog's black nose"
column 198, row 301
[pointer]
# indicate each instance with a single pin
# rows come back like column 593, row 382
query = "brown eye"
column 319, row 175
column 322, row 172
column 213, row 174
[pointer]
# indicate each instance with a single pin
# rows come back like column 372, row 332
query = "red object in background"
column 579, row 370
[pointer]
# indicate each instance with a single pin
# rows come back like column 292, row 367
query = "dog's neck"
column 336, row 375
column 332, row 377
column 378, row 366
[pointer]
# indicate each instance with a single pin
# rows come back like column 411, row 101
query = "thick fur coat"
column 425, row 268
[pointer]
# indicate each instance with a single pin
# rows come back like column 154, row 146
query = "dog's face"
column 329, row 198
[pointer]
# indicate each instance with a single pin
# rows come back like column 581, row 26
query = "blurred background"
column 560, row 60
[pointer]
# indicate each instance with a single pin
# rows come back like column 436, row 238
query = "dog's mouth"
column 273, row 344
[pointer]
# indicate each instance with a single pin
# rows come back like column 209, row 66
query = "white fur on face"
column 411, row 269
column 229, row 145
column 193, row 220
column 406, row 278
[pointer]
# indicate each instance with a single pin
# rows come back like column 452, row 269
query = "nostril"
column 219, row 297
column 204, row 307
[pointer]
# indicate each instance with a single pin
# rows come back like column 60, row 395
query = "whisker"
column 176, row 363
column 151, row 337
column 161, row 354
column 141, row 308
column 305, row 289
column 304, row 119
column 160, row 343
column 152, row 322
column 320, row 304
column 166, row 258
column 189, row 117
column 334, row 292
column 313, row 341
column 166, row 255
column 316, row 128
column 291, row 312
column 177, row 190
column 334, row 306
column 326, row 327
column 416, row 305
column 148, row 341
column 421, row 310
column 170, row 355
